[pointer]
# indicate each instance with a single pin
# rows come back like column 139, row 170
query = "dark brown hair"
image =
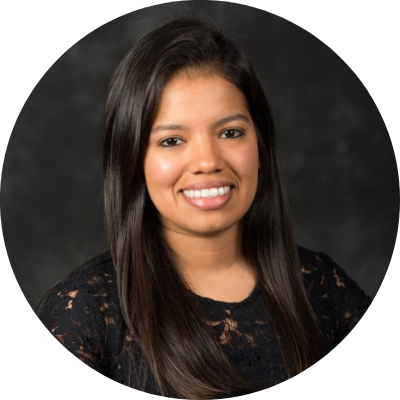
column 161, row 313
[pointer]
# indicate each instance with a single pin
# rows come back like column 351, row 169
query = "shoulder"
column 82, row 312
column 313, row 261
column 89, row 290
column 96, row 276
column 334, row 296
column 315, row 268
column 318, row 267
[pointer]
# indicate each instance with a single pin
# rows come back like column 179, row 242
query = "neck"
column 201, row 253
column 208, row 263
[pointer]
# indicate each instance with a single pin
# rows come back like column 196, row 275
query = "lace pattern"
column 82, row 311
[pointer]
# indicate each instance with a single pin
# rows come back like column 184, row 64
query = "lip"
column 209, row 203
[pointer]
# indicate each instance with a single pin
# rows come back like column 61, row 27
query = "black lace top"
column 83, row 313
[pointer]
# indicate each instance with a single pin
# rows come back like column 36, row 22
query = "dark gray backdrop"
column 338, row 158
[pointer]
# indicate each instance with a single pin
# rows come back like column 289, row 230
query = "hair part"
column 180, row 348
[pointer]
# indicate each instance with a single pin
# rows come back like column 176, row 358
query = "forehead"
column 205, row 96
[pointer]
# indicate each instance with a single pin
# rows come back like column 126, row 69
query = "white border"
column 35, row 34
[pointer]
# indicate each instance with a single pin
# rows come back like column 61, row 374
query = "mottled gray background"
column 338, row 158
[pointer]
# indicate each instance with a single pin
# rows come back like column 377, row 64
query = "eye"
column 171, row 142
column 231, row 134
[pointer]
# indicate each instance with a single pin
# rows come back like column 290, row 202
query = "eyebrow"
column 225, row 120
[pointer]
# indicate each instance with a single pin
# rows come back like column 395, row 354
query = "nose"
column 205, row 156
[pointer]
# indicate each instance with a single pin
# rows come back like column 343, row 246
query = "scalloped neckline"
column 240, row 303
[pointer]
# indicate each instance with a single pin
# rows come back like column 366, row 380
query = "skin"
column 203, row 136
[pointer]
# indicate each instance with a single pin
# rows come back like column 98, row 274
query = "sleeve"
column 72, row 315
column 348, row 301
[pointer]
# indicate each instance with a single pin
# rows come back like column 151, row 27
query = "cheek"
column 160, row 172
column 247, row 163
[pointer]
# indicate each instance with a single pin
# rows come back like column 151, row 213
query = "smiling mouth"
column 207, row 193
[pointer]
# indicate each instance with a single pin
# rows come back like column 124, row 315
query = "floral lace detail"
column 82, row 311
column 246, row 334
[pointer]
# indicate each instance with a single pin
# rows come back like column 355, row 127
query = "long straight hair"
column 164, row 317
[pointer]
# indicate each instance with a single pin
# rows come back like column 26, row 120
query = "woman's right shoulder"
column 95, row 277
column 90, row 289
column 82, row 310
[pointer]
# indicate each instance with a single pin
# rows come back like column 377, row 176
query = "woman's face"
column 201, row 164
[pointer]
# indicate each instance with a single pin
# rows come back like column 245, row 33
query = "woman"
column 203, row 293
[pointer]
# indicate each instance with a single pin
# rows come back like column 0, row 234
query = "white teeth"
column 207, row 193
column 213, row 192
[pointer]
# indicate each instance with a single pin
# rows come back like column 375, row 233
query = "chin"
column 212, row 228
column 209, row 224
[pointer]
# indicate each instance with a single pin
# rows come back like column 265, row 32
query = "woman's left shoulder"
column 319, row 267
column 313, row 262
column 331, row 289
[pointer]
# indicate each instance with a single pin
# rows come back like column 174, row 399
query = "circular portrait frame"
column 47, row 364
